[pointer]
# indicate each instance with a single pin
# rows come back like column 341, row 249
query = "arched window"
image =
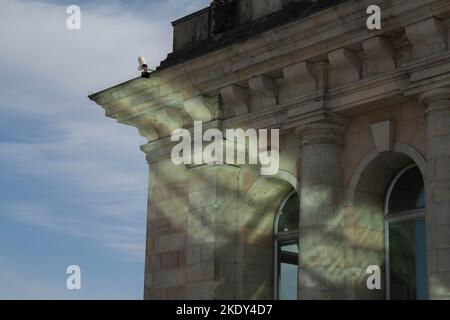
column 286, row 248
column 406, row 258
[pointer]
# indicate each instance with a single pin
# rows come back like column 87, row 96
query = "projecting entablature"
column 328, row 62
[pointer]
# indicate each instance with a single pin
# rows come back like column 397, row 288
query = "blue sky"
column 73, row 182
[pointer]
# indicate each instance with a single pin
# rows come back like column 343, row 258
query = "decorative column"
column 322, row 273
column 437, row 189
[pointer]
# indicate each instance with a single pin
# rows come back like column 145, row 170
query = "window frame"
column 280, row 238
column 389, row 218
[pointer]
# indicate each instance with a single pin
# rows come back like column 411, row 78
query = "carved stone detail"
column 263, row 86
column 330, row 130
column 304, row 74
column 383, row 135
column 381, row 52
column 200, row 109
column 237, row 98
column 347, row 64
column 427, row 36
column 223, row 14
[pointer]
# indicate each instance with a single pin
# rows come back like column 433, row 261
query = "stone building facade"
column 364, row 120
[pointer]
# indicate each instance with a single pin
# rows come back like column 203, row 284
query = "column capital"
column 436, row 100
column 330, row 130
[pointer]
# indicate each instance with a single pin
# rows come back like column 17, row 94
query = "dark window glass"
column 408, row 192
column 288, row 218
column 407, row 238
column 407, row 260
column 286, row 239
column 287, row 270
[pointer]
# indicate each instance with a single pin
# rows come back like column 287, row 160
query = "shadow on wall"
column 210, row 232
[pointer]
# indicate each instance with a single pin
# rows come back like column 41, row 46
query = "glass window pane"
column 287, row 269
column 289, row 213
column 421, row 261
column 402, row 258
column 407, row 260
column 408, row 192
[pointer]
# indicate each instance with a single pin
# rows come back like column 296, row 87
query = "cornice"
column 158, row 104
column 279, row 46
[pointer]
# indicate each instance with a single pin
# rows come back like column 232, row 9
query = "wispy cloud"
column 113, row 231
column 22, row 287
column 65, row 140
column 66, row 171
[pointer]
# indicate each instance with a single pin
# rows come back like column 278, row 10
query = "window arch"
column 286, row 248
column 406, row 258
